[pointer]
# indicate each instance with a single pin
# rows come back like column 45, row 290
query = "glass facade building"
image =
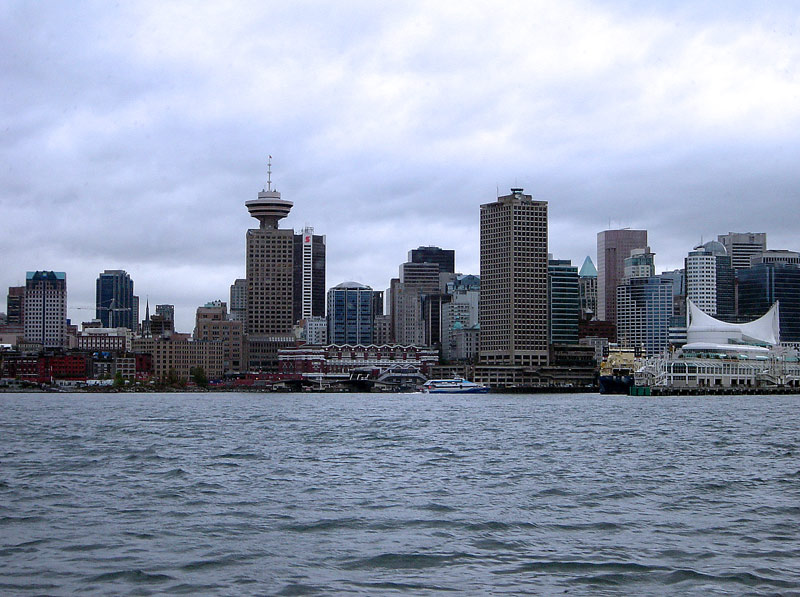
column 644, row 310
column 565, row 301
column 350, row 314
column 114, row 300
column 762, row 285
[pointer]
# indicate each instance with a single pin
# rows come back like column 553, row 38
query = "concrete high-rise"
column 114, row 300
column 710, row 279
column 613, row 247
column 270, row 281
column 166, row 311
column 406, row 299
column 238, row 310
column 15, row 305
column 46, row 308
column 743, row 245
column 212, row 324
column 513, row 298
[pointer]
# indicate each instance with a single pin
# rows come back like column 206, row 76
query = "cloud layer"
column 132, row 135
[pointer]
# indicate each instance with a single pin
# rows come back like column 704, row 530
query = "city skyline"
column 134, row 133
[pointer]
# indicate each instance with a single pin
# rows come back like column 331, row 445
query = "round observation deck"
column 269, row 208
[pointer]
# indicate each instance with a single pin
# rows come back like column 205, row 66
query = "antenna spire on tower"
column 269, row 174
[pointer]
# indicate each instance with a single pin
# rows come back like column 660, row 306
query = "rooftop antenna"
column 269, row 174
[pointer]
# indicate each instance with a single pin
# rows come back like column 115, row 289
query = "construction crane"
column 110, row 308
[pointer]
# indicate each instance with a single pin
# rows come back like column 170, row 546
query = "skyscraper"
column 446, row 258
column 46, row 308
column 513, row 298
column 114, row 300
column 564, row 288
column 710, row 279
column 350, row 314
column 587, row 278
column 270, row 280
column 742, row 245
column 238, row 310
column 613, row 247
column 406, row 298
column 762, row 285
column 644, row 311
column 308, row 275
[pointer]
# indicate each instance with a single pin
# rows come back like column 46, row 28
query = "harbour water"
column 358, row 494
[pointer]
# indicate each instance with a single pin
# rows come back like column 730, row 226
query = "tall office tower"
column 587, row 284
column 640, row 264
column 212, row 323
column 513, row 301
column 408, row 292
column 613, row 247
column 710, row 279
column 446, row 258
column 15, row 305
column 350, row 318
column 270, row 281
column 460, row 318
column 114, row 302
column 565, row 301
column 644, row 311
column 308, row 275
column 238, row 310
column 742, row 245
column 762, row 285
column 46, row 308
column 644, row 304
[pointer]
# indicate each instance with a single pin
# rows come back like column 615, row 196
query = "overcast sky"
column 133, row 133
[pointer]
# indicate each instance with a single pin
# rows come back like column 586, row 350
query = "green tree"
column 199, row 376
column 118, row 380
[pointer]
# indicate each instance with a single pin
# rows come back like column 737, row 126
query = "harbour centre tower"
column 269, row 274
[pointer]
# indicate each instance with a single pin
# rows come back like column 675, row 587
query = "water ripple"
column 307, row 494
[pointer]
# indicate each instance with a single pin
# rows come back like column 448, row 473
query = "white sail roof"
column 704, row 328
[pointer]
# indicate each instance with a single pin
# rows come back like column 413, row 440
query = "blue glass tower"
column 115, row 302
column 350, row 314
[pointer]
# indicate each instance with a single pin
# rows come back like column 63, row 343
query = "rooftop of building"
column 588, row 270
column 45, row 275
column 352, row 286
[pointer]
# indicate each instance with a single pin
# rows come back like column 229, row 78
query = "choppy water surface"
column 374, row 494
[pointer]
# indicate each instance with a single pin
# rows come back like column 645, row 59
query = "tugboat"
column 616, row 372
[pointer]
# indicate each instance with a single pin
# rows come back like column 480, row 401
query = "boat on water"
column 453, row 386
column 616, row 372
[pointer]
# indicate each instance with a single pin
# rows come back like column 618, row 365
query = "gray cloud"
column 132, row 135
